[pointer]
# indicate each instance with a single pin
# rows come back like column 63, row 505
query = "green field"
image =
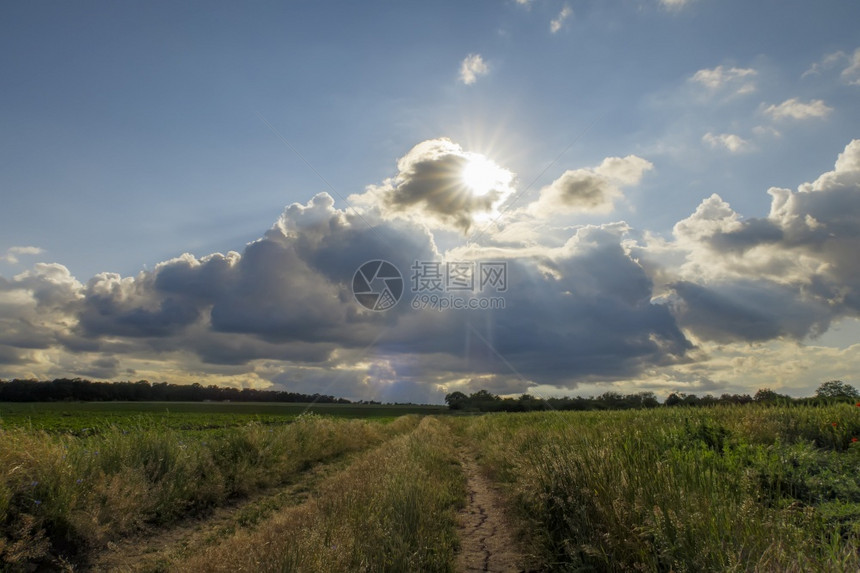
column 82, row 417
column 732, row 488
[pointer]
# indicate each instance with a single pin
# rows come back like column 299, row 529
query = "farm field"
column 750, row 488
column 81, row 417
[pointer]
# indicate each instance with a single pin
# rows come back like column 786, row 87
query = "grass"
column 62, row 494
column 725, row 489
column 82, row 418
column 392, row 510
column 749, row 488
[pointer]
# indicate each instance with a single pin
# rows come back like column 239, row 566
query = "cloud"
column 737, row 80
column 37, row 311
column 281, row 310
column 790, row 274
column 796, row 109
column 584, row 304
column 472, row 67
column 556, row 24
column 851, row 74
column 828, row 62
column 747, row 310
column 591, row 189
column 431, row 186
column 674, row 4
column 13, row 253
column 734, row 143
column 850, row 64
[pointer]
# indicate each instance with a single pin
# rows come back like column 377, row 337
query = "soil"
column 487, row 540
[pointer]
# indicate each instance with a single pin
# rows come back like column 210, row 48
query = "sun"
column 481, row 175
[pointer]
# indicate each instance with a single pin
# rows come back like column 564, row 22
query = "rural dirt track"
column 157, row 549
column 487, row 541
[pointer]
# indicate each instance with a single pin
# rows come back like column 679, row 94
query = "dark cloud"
column 105, row 368
column 748, row 311
column 10, row 355
column 431, row 182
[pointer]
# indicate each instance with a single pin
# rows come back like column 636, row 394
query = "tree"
column 765, row 395
column 837, row 389
column 456, row 400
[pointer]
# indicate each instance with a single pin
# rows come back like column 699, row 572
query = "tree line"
column 61, row 389
column 483, row 401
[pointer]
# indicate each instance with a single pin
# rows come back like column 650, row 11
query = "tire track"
column 157, row 548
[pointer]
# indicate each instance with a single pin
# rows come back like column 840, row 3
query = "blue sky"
column 131, row 134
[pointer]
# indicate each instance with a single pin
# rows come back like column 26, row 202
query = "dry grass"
column 63, row 495
column 392, row 510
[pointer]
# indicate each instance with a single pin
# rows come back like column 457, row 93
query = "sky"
column 672, row 188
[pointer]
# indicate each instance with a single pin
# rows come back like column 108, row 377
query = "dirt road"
column 487, row 541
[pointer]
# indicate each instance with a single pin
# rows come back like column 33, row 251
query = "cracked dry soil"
column 487, row 541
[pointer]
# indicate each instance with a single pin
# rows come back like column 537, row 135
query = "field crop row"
column 86, row 418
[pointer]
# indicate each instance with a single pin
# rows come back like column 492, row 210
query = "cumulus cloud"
column 13, row 254
column 556, row 24
column 432, row 184
column 722, row 78
column 730, row 141
column 789, row 274
column 795, row 109
column 583, row 304
column 282, row 311
column 38, row 310
column 472, row 67
column 591, row 189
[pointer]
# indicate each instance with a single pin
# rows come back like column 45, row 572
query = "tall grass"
column 64, row 495
column 392, row 510
column 725, row 489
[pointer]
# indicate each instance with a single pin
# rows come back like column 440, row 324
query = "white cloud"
column 795, row 109
column 472, row 67
column 850, row 64
column 559, row 20
column 788, row 275
column 13, row 253
column 591, row 189
column 738, row 80
column 766, row 131
column 827, row 62
column 734, row 143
